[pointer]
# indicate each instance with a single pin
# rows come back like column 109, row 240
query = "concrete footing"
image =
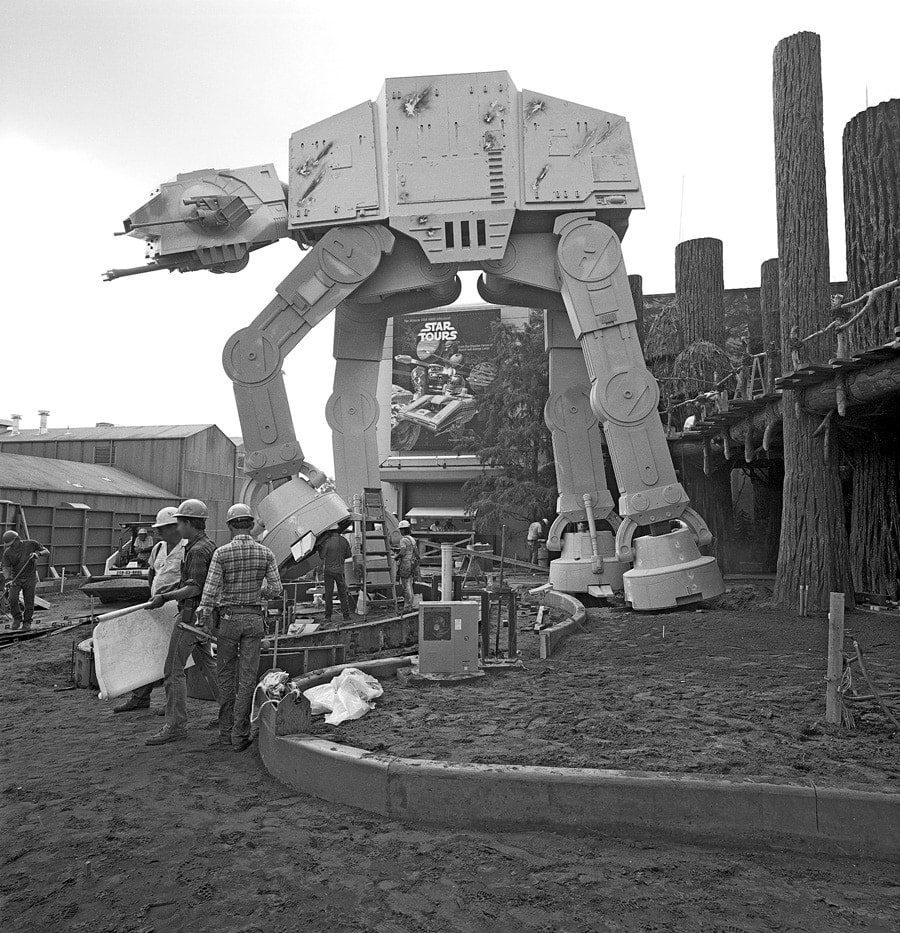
column 635, row 803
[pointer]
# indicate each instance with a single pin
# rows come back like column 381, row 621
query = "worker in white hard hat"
column 165, row 572
column 190, row 520
column 241, row 575
column 407, row 557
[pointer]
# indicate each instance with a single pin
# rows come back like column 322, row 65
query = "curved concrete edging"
column 553, row 637
column 624, row 802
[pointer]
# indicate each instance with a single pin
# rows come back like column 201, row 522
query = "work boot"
column 241, row 745
column 164, row 736
column 132, row 703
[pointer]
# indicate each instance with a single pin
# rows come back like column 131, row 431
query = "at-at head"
column 209, row 220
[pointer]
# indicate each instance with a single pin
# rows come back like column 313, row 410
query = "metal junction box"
column 448, row 637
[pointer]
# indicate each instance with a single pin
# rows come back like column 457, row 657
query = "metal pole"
column 446, row 572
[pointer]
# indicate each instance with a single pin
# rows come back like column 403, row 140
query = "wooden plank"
column 835, row 659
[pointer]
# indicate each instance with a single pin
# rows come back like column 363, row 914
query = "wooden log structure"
column 813, row 549
column 871, row 147
column 770, row 312
column 700, row 290
column 700, row 300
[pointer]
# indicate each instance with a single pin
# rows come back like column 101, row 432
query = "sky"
column 101, row 100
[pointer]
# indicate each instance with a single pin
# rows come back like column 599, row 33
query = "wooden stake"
column 835, row 659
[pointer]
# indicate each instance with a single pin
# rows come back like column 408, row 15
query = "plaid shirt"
column 237, row 574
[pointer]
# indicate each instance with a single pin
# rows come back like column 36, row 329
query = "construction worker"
column 535, row 530
column 198, row 551
column 333, row 550
column 165, row 572
column 407, row 558
column 20, row 573
column 241, row 574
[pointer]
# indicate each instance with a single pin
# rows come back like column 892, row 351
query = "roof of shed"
column 76, row 479
column 116, row 433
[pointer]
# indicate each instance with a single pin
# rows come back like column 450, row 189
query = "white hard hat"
column 165, row 516
column 238, row 511
column 404, row 524
column 192, row 508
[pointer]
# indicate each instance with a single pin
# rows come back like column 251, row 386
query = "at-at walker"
column 392, row 199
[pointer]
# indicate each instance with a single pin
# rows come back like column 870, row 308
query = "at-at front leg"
column 294, row 512
column 588, row 558
column 669, row 569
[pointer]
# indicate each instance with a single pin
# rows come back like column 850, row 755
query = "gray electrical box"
column 448, row 637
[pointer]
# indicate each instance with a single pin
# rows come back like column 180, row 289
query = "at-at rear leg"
column 588, row 557
column 668, row 568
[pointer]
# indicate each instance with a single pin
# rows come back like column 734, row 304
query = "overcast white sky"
column 103, row 99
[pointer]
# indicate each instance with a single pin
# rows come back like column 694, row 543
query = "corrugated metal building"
column 186, row 460
column 76, row 509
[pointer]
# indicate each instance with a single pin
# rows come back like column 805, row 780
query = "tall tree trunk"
column 700, row 290
column 770, row 310
column 875, row 522
column 813, row 548
column 710, row 495
column 700, row 299
column 636, row 283
column 872, row 212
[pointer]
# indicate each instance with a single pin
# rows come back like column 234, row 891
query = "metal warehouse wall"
column 75, row 537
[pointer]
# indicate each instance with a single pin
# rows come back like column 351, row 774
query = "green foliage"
column 510, row 436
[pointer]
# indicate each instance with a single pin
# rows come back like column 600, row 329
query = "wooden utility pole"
column 770, row 311
column 872, row 211
column 700, row 290
column 813, row 549
column 636, row 283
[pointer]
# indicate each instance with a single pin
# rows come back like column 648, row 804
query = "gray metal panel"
column 576, row 156
column 448, row 637
column 334, row 171
column 452, row 140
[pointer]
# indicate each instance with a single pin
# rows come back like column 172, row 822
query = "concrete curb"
column 635, row 803
column 553, row 637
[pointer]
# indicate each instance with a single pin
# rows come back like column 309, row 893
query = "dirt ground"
column 722, row 692
column 107, row 835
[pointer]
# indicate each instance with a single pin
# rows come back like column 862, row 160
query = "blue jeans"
column 237, row 657
column 27, row 588
column 182, row 646
column 333, row 580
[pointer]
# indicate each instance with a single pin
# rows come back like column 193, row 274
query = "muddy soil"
column 737, row 693
column 103, row 834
